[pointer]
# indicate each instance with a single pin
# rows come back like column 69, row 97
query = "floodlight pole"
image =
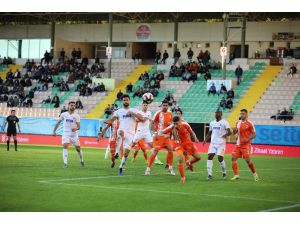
column 175, row 35
column 243, row 38
column 52, row 38
column 225, row 39
column 109, row 44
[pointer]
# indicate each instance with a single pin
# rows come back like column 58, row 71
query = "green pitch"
column 33, row 179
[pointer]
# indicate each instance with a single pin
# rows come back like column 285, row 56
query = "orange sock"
column 181, row 169
column 193, row 160
column 135, row 154
column 152, row 158
column 235, row 167
column 251, row 166
column 145, row 155
column 170, row 158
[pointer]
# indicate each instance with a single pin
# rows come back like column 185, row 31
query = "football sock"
column 151, row 160
column 209, row 165
column 251, row 166
column 170, row 158
column 80, row 155
column 65, row 156
column 119, row 143
column 16, row 144
column 234, row 165
column 223, row 166
column 7, row 143
column 123, row 162
column 145, row 155
column 135, row 153
column 186, row 157
column 181, row 169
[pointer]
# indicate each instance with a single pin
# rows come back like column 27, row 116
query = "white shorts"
column 70, row 139
column 128, row 138
column 217, row 149
column 142, row 135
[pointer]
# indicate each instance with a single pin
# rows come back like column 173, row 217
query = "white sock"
column 118, row 146
column 65, row 155
column 170, row 167
column 80, row 155
column 156, row 159
column 107, row 152
column 209, row 165
column 123, row 162
column 223, row 166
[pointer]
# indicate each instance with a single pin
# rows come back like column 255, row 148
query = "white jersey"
column 144, row 127
column 127, row 122
column 218, row 131
column 69, row 122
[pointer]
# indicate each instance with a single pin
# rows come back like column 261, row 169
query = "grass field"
column 33, row 179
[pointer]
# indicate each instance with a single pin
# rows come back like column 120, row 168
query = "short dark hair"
column 179, row 110
column 165, row 102
column 176, row 119
column 12, row 110
column 125, row 96
column 244, row 110
column 72, row 102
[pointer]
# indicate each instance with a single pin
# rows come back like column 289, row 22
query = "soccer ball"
column 148, row 98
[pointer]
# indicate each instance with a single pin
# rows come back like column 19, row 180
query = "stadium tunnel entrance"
column 146, row 50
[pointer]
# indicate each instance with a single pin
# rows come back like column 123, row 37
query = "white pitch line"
column 172, row 192
column 280, row 208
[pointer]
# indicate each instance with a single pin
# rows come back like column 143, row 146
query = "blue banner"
column 88, row 127
column 277, row 135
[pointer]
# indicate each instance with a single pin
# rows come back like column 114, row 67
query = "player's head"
column 244, row 114
column 13, row 112
column 165, row 106
column 71, row 106
column 176, row 122
column 125, row 100
column 218, row 114
column 179, row 113
column 145, row 106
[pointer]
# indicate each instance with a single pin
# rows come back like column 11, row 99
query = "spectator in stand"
column 55, row 101
column 156, row 84
column 78, row 104
column 230, row 94
column 47, row 100
column 85, row 60
column 129, row 88
column 175, row 107
column 74, row 54
column 46, row 58
column 212, row 90
column 223, row 103
column 16, row 101
column 136, row 56
column 292, row 70
column 223, row 89
column 157, row 56
column 154, row 91
column 172, row 72
column 229, row 104
column 200, row 56
column 107, row 111
column 177, row 55
column 169, row 97
column 238, row 74
column 290, row 115
column 28, row 103
column 62, row 55
column 284, row 115
column 206, row 57
column 31, row 94
column 63, row 110
column 190, row 54
column 78, row 54
column 276, row 116
column 165, row 56
column 139, row 92
column 101, row 87
column 147, row 85
column 71, row 78
column 17, row 74
column 207, row 75
column 119, row 95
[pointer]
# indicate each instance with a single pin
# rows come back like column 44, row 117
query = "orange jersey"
column 113, row 130
column 181, row 135
column 162, row 120
column 245, row 129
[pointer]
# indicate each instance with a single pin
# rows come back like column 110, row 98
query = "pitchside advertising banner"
column 270, row 140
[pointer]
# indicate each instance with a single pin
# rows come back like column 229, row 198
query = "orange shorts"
column 112, row 146
column 242, row 151
column 161, row 142
column 189, row 148
column 141, row 145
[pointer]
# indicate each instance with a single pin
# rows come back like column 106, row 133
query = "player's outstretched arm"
column 101, row 134
column 112, row 119
column 137, row 115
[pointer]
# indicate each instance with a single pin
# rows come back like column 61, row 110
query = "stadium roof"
column 134, row 17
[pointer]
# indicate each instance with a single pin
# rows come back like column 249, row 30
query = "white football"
column 148, row 98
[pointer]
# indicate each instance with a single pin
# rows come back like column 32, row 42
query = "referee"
column 12, row 121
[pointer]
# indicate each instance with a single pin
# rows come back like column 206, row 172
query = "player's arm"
column 137, row 116
column 207, row 136
column 167, row 130
column 235, row 130
column 76, row 128
column 228, row 133
column 192, row 133
column 101, row 134
column 4, row 125
column 252, row 136
column 112, row 119
column 19, row 127
column 57, row 125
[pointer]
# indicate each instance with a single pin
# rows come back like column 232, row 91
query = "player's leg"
column 143, row 147
column 209, row 164
column 127, row 146
column 112, row 147
column 7, row 142
column 151, row 160
column 235, row 155
column 220, row 153
column 170, row 159
column 246, row 155
column 65, row 152
column 191, row 149
column 15, row 141
column 156, row 160
column 186, row 159
column 107, row 151
column 136, row 145
column 180, row 157
column 120, row 139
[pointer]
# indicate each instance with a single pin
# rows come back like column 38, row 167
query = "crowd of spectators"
column 283, row 115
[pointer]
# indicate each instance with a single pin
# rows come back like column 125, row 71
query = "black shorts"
column 11, row 132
